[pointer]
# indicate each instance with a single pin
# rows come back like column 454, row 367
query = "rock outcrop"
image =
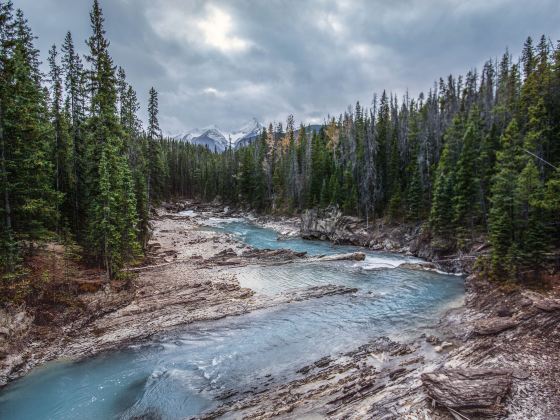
column 331, row 225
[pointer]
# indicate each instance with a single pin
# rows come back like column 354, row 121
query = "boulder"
column 331, row 224
column 443, row 346
column 419, row 266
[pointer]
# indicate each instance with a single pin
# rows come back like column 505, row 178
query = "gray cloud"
column 223, row 61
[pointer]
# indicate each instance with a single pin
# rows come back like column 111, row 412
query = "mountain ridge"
column 219, row 140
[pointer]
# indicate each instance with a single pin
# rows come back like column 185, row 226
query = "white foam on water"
column 217, row 221
column 381, row 262
column 448, row 273
column 190, row 213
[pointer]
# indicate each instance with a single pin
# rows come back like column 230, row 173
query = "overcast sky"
column 223, row 62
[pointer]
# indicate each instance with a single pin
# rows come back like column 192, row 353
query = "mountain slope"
column 218, row 140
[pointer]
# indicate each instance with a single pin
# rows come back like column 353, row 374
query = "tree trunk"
column 7, row 208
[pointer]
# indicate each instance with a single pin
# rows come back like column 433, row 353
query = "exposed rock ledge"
column 508, row 369
column 505, row 340
column 330, row 224
column 469, row 391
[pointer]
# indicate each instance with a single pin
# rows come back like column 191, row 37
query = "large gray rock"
column 547, row 305
column 330, row 224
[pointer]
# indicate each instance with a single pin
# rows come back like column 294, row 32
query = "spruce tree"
column 442, row 215
column 8, row 244
column 530, row 229
column 465, row 197
column 502, row 218
column 75, row 88
column 62, row 150
column 29, row 199
column 112, row 217
column 414, row 194
column 156, row 172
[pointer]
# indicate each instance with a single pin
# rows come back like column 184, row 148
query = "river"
column 191, row 370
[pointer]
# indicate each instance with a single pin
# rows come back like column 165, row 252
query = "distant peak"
column 212, row 135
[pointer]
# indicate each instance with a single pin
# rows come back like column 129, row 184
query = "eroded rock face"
column 378, row 380
column 330, row 224
column 470, row 391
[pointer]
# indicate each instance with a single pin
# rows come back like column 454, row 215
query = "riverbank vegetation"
column 477, row 155
column 76, row 164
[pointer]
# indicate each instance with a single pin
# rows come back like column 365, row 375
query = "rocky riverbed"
column 495, row 357
column 184, row 280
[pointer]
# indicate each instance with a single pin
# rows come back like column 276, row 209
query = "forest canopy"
column 477, row 155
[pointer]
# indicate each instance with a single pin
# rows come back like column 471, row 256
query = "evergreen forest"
column 477, row 155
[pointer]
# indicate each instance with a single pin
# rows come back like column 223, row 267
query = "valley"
column 212, row 293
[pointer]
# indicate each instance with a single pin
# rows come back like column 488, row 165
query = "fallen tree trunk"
column 476, row 392
column 494, row 325
column 352, row 256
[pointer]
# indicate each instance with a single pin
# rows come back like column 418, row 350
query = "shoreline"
column 188, row 279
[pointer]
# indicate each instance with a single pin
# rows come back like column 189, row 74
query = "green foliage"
column 414, row 194
column 29, row 200
column 476, row 155
column 465, row 195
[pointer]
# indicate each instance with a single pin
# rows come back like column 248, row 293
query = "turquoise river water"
column 184, row 373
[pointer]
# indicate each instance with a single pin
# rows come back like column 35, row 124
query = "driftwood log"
column 547, row 305
column 351, row 256
column 494, row 325
column 471, row 392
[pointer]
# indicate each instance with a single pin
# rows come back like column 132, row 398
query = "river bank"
column 502, row 345
column 182, row 281
column 499, row 359
column 507, row 338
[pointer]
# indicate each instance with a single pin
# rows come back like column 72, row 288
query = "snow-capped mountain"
column 218, row 140
column 210, row 137
column 246, row 134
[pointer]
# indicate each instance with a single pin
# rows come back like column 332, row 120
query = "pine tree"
column 502, row 221
column 8, row 244
column 442, row 215
column 137, row 152
column 530, row 230
column 465, row 197
column 528, row 57
column 29, row 200
column 112, row 217
column 414, row 194
column 156, row 172
column 64, row 172
column 75, row 89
